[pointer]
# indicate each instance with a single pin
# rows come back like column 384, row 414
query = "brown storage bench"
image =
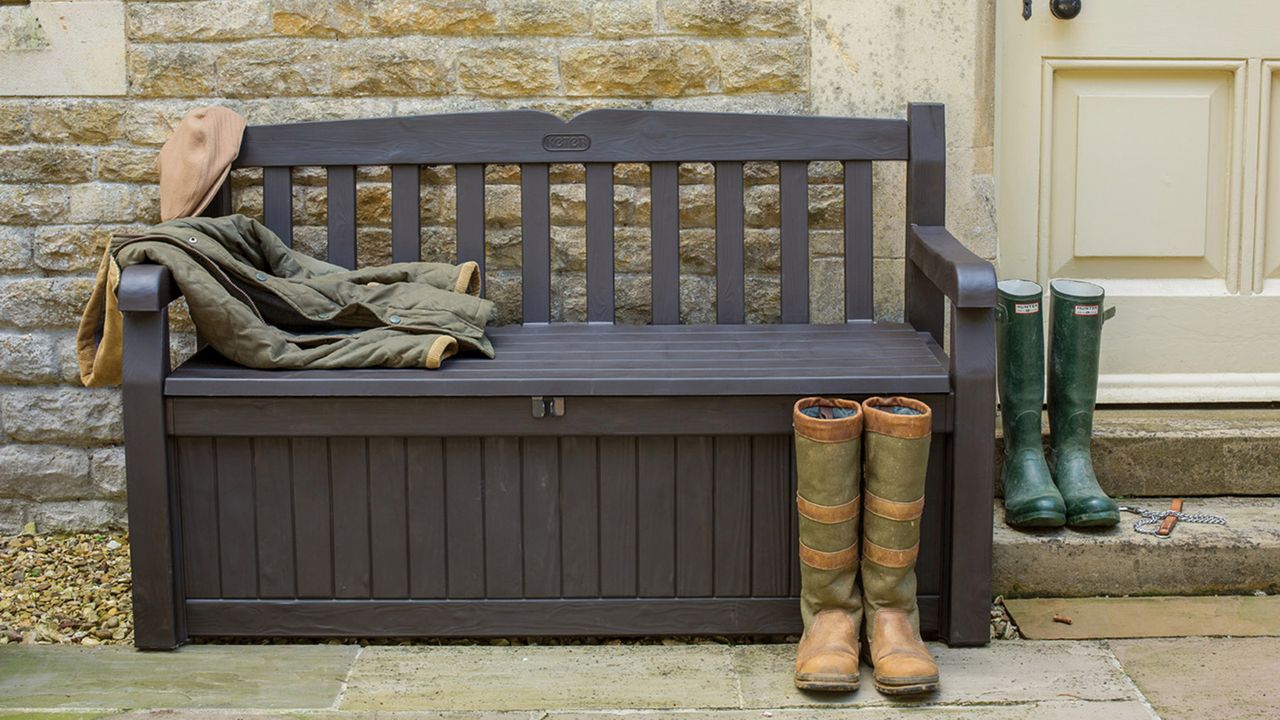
column 593, row 479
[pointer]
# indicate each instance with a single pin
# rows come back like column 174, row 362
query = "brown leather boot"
column 897, row 449
column 828, row 471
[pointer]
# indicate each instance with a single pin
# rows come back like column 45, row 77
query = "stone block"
column 15, row 248
column 736, row 17
column 31, row 204
column 44, row 472
column 545, row 17
column 165, row 71
column 113, row 203
column 307, row 18
column 106, row 471
column 637, row 69
column 45, row 164
column 760, row 67
column 70, row 248
column 121, row 164
column 77, row 121
column 272, row 68
column 443, row 17
column 408, row 67
column 507, row 71
column 28, row 358
column 43, row 302
column 199, row 21
column 623, row 18
column 15, row 122
column 72, row 416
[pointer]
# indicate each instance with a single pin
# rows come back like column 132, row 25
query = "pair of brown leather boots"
column 836, row 511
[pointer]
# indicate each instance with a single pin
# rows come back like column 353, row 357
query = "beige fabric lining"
column 443, row 347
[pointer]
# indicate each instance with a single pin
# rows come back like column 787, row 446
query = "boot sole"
column 911, row 686
column 1037, row 520
column 827, row 683
column 1106, row 519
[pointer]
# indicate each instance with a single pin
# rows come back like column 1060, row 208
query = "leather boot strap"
column 888, row 557
column 838, row 560
column 828, row 514
column 892, row 509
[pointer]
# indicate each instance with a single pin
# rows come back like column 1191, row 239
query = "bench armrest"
column 146, row 288
column 968, row 280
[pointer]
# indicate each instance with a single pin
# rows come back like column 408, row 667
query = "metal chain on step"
column 1151, row 519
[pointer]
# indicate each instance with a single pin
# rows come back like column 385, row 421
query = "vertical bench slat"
column 859, row 270
column 274, row 512
column 664, row 229
column 618, row 519
column 427, row 522
column 729, row 263
column 540, row 524
column 388, row 519
column 464, row 516
column 312, row 512
column 277, row 202
column 237, row 550
column 770, row 528
column 695, row 516
column 794, row 190
column 470, row 208
column 600, row 290
column 198, row 495
column 535, row 235
column 342, row 215
column 503, row 552
column 406, row 214
column 349, row 488
column 731, row 498
column 579, row 517
column 656, row 510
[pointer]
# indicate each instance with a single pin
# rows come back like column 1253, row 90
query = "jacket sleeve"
column 464, row 278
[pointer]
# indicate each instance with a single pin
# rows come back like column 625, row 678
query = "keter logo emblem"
column 1026, row 308
column 1086, row 309
column 566, row 143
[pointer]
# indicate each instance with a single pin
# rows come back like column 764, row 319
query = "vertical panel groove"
column 342, row 215
column 729, row 249
column 406, row 214
column 859, row 270
column 535, row 242
column 794, row 198
column 664, row 228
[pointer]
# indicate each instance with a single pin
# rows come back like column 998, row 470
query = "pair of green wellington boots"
column 836, row 516
column 1063, row 490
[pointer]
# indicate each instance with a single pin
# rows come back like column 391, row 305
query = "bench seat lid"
column 621, row 360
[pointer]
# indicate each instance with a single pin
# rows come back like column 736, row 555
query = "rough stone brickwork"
column 74, row 170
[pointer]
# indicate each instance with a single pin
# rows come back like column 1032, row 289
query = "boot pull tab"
column 825, row 413
column 1108, row 313
column 1000, row 314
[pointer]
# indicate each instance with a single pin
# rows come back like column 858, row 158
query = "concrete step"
column 1165, row 452
column 1239, row 558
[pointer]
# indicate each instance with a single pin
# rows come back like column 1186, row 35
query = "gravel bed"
column 67, row 589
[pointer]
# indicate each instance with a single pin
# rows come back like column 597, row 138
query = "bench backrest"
column 598, row 140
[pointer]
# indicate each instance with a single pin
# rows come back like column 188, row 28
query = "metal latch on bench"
column 548, row 406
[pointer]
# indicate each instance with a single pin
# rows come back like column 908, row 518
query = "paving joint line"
column 346, row 679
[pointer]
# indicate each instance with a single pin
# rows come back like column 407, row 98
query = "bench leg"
column 153, row 532
column 967, row 600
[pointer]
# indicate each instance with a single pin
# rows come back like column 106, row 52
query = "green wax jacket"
column 264, row 305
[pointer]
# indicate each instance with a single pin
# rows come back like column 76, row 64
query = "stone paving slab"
column 208, row 676
column 1004, row 672
column 532, row 678
column 1236, row 678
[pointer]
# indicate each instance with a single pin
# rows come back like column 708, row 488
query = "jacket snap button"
column 191, row 240
column 394, row 318
column 261, row 276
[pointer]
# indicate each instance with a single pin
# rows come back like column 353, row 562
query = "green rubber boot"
column 1030, row 497
column 1075, row 343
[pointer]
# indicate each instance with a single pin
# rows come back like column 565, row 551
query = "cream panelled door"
column 1138, row 146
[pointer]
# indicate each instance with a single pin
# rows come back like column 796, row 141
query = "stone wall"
column 76, row 168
